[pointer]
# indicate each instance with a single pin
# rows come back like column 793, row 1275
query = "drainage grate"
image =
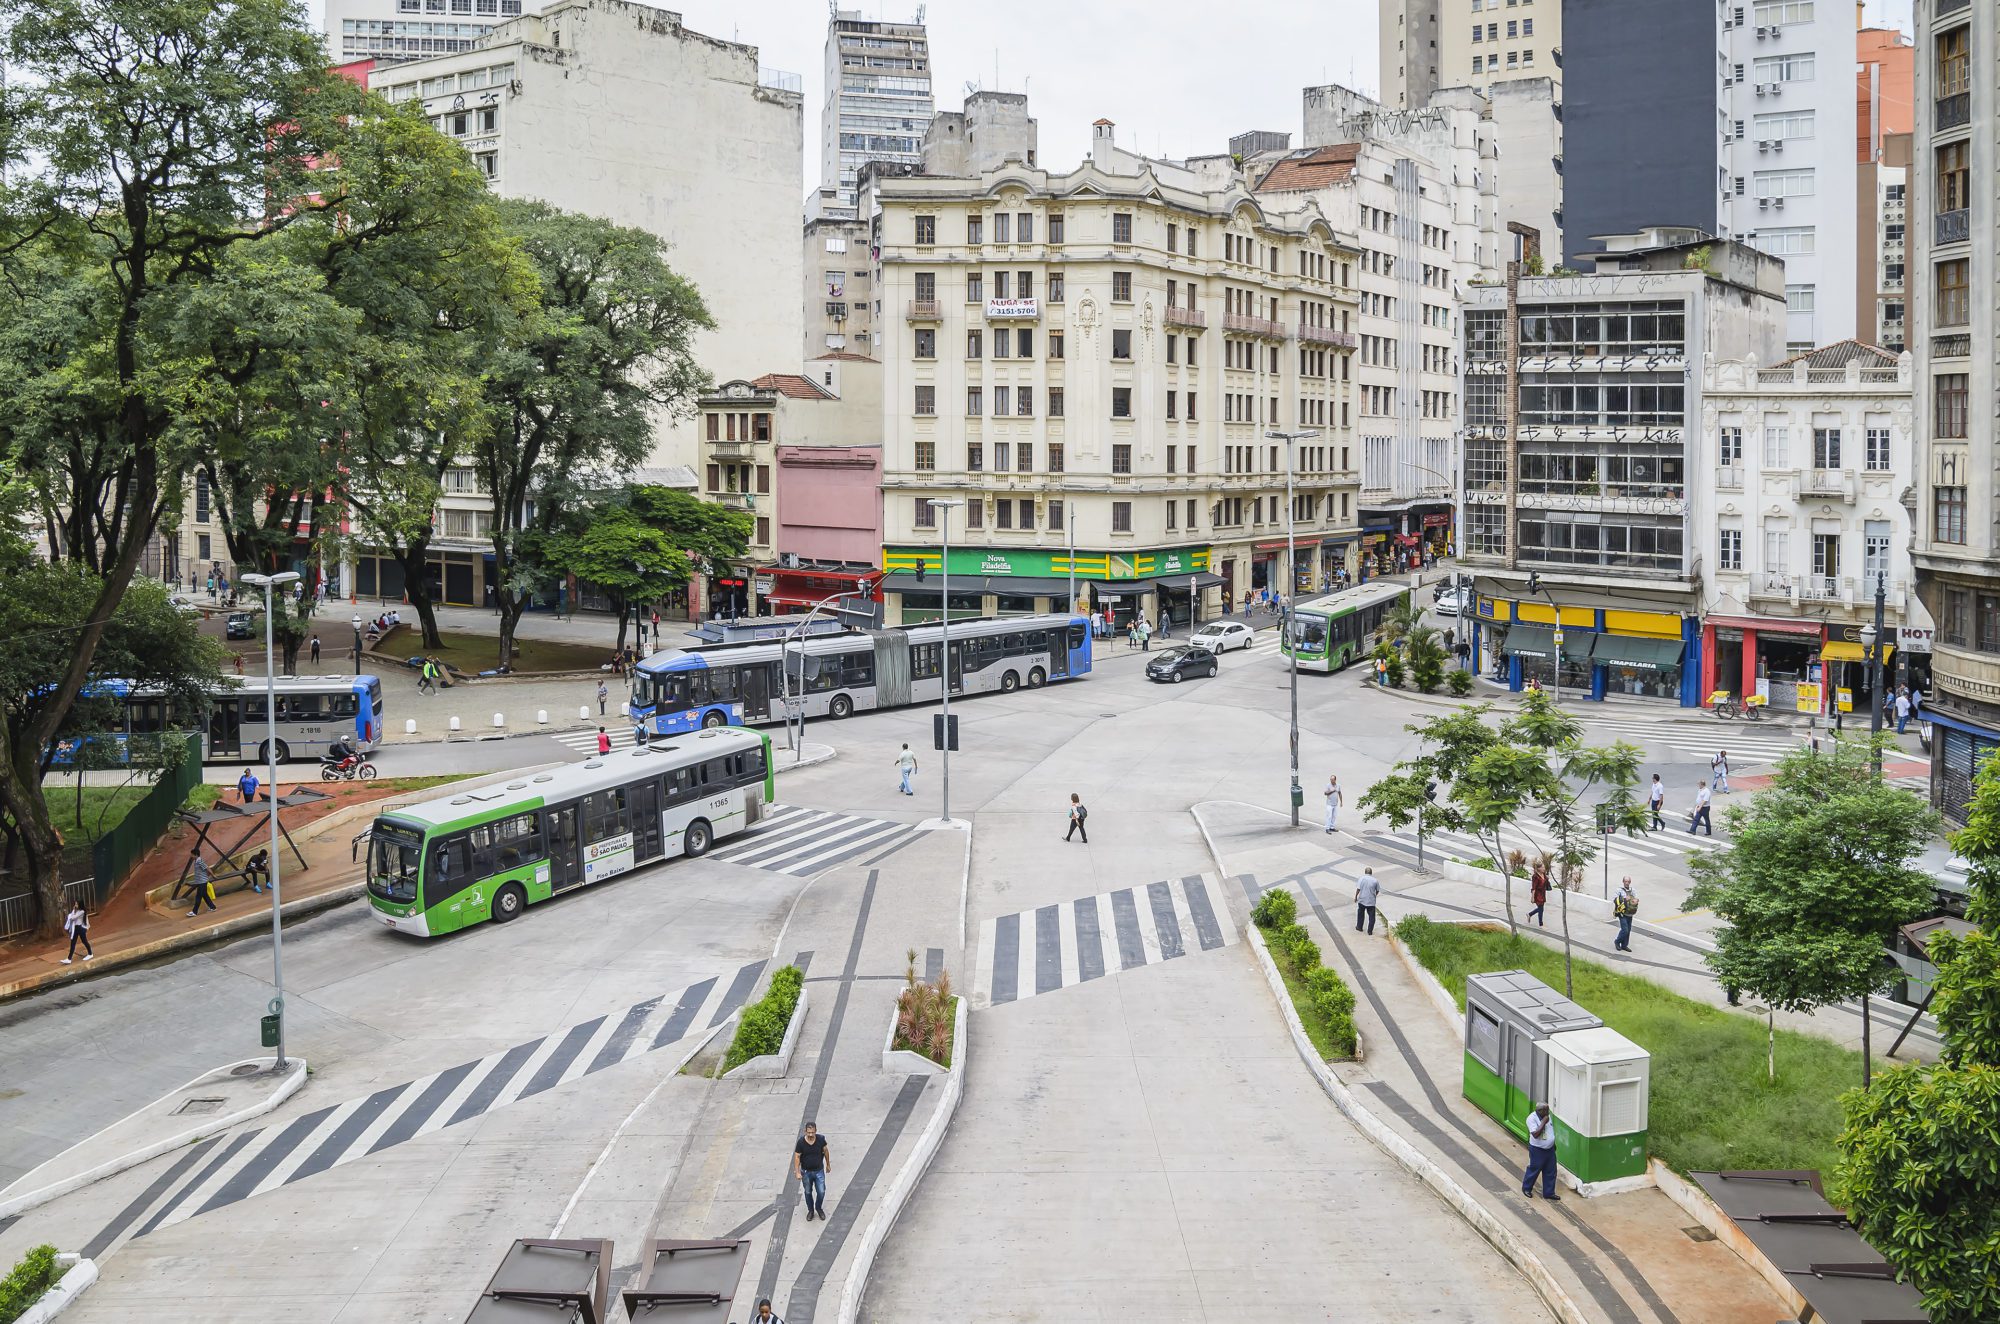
column 1698, row 1234
column 245, row 1069
column 200, row 1106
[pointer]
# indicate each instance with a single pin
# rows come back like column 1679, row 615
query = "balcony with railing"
column 1729, row 478
column 1262, row 327
column 1192, row 319
column 1952, row 227
column 1952, row 111
column 923, row 310
column 1824, row 484
column 1325, row 335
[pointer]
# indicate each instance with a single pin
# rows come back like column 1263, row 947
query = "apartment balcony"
column 1952, row 227
column 1192, row 319
column 734, row 500
column 1824, row 485
column 1262, row 327
column 1325, row 335
column 1951, row 112
column 727, row 450
column 1729, row 479
column 923, row 310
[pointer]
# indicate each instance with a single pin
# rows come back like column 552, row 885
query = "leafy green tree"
column 641, row 544
column 572, row 407
column 1528, row 776
column 1918, row 1167
column 1820, row 871
column 1428, row 658
column 146, row 141
column 1401, row 620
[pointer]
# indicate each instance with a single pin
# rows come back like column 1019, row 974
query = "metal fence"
column 125, row 845
column 17, row 913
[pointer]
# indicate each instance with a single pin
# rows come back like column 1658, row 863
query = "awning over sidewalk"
column 1841, row 650
column 1540, row 641
column 1626, row 651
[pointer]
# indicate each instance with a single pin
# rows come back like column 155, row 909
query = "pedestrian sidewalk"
column 1622, row 1258
column 851, row 934
column 127, row 931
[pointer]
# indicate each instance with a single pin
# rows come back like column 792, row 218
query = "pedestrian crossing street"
column 1672, row 842
column 252, row 1162
column 1051, row 947
column 803, row 842
column 584, row 741
column 1746, row 744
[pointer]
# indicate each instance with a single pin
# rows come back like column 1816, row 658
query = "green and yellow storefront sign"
column 1030, row 563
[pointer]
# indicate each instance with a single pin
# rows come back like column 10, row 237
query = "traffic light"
column 944, row 731
column 1534, row 583
column 1430, row 790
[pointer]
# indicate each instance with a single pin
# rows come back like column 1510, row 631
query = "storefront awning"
column 1626, row 651
column 1540, row 641
column 1020, row 586
column 1841, row 650
column 1303, row 544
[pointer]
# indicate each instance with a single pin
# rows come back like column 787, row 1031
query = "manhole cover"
column 247, row 1069
column 1698, row 1234
column 200, row 1106
column 1107, row 714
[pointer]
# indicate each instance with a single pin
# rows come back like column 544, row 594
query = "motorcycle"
column 353, row 767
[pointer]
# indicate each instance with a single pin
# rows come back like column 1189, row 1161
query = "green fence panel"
column 118, row 850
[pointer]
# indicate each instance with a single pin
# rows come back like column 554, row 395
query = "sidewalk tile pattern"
column 1052, row 947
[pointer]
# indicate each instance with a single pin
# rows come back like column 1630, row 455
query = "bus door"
column 225, row 728
column 954, row 668
column 756, row 692
column 565, row 864
column 644, row 805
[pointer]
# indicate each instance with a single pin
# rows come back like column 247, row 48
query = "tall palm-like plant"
column 1402, row 619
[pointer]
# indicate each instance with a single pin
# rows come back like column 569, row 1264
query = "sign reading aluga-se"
column 1013, row 308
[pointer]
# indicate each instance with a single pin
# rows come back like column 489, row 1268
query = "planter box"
column 773, row 1066
column 902, row 1062
column 78, row 1274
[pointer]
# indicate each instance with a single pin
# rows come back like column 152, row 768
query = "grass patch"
column 1712, row 1105
column 421, row 783
column 1322, row 999
column 473, row 653
column 761, row 1031
column 103, row 808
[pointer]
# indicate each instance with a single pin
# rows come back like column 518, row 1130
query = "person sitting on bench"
column 257, row 871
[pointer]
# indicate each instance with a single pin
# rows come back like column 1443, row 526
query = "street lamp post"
column 1291, row 599
column 1535, row 586
column 944, row 638
column 267, row 583
column 1872, row 636
column 357, row 645
column 795, row 709
column 1069, row 518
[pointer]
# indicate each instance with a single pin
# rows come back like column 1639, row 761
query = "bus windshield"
column 394, row 855
column 1309, row 631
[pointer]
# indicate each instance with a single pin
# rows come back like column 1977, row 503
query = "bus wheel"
column 284, row 753
column 508, row 902
column 1036, row 678
column 842, row 706
column 715, row 717
column 1009, row 682
column 697, row 838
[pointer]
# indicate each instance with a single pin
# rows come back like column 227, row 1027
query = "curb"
column 906, row 1062
column 1412, row 1160
column 293, row 1082
column 811, row 760
column 912, row 1171
column 79, row 1276
column 773, row 1066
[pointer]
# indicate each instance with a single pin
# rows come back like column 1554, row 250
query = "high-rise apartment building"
column 1091, row 362
column 1416, row 190
column 1407, row 34
column 394, row 31
column 1885, row 69
column 878, row 98
column 1738, row 120
column 1584, row 508
column 1953, row 282
column 1483, row 42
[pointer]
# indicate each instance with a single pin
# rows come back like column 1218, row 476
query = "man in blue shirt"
column 1541, row 1154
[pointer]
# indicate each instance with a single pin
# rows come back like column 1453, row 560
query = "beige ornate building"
column 1096, row 359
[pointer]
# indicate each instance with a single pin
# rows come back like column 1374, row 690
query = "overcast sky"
column 1178, row 76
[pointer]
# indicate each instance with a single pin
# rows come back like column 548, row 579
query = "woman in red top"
column 1538, row 892
column 603, row 741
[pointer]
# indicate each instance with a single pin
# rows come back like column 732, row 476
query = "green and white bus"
column 489, row 854
column 1333, row 631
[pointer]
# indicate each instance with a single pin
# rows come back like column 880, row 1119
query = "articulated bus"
column 437, row 867
column 682, row 689
column 1330, row 632
column 312, row 712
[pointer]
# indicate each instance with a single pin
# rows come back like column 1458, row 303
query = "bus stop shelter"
column 691, row 1282
column 540, row 1281
column 254, row 818
column 1843, row 1279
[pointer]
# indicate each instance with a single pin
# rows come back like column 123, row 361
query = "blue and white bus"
column 312, row 712
column 682, row 689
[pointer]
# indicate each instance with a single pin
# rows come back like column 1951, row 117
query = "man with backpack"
column 1077, row 815
column 1625, row 906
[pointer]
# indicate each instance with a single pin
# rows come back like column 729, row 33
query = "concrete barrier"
column 541, row 717
column 499, row 721
column 409, row 726
column 79, row 1274
column 454, row 724
column 583, row 712
column 773, row 1066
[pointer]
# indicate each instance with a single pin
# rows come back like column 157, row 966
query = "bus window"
column 449, row 868
column 604, row 816
column 343, row 705
column 253, row 708
column 722, row 686
column 926, row 661
column 1076, row 636
column 393, row 854
column 145, row 717
column 754, row 761
column 716, row 772
column 516, row 841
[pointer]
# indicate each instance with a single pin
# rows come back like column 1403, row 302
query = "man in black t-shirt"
column 811, row 1161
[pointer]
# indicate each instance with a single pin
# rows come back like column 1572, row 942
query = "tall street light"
column 944, row 639
column 356, row 621
column 1290, row 599
column 1534, row 587
column 267, row 583
column 1872, row 636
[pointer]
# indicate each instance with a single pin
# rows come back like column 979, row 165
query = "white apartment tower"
column 1786, row 109
column 396, row 31
column 878, row 97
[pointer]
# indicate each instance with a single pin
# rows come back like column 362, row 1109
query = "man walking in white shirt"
column 1332, row 803
column 1702, row 799
column 1656, row 796
column 1718, row 768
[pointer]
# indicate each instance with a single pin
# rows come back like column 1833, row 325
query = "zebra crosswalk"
column 1766, row 746
column 802, row 842
column 253, row 1162
column 1673, row 842
column 1050, row 947
column 584, row 740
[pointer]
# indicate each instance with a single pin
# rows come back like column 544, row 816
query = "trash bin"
column 1599, row 1082
column 1507, row 1013
column 270, row 1031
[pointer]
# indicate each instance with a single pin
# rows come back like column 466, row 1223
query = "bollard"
column 584, row 712
column 454, row 724
column 499, row 720
column 409, row 726
column 541, row 716
column 625, row 710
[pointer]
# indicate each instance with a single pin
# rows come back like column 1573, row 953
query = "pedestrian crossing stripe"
column 262, row 1160
column 584, row 741
column 1742, row 749
column 802, row 842
column 1441, row 845
column 1051, row 947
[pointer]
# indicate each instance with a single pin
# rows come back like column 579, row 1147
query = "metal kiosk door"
column 565, row 865
column 1518, row 1064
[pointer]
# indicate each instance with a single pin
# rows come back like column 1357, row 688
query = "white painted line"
column 543, row 1052
column 305, row 1149
column 982, row 977
column 1219, row 907
column 1069, row 935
